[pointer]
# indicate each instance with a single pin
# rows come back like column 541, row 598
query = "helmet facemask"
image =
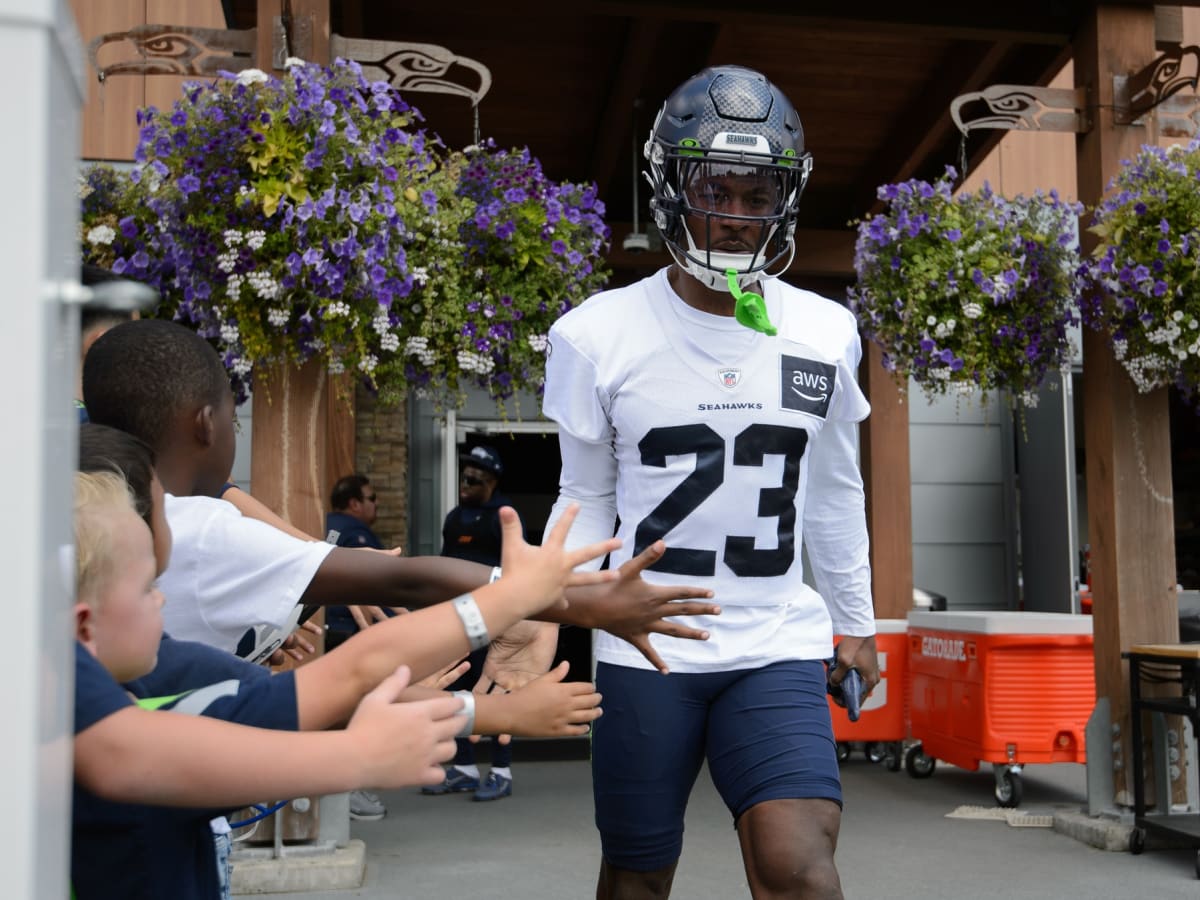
column 732, row 215
column 727, row 166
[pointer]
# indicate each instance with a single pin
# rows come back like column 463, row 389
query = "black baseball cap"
column 484, row 458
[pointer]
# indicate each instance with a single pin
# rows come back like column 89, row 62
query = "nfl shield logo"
column 729, row 377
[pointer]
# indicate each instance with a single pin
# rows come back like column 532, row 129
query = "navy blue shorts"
column 766, row 734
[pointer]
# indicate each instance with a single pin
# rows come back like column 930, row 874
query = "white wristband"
column 495, row 575
column 468, row 711
column 472, row 620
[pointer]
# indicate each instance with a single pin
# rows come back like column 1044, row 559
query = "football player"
column 715, row 407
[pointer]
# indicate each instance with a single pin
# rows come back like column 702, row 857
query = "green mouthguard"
column 750, row 309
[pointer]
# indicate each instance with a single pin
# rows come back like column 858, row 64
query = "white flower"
column 252, row 76
column 264, row 285
column 972, row 310
column 101, row 234
column 336, row 367
column 538, row 342
column 337, row 308
column 227, row 261
column 229, row 333
column 368, row 363
column 233, row 287
column 932, row 320
column 293, row 61
column 474, row 362
column 390, row 342
column 255, row 239
column 232, row 237
column 277, row 316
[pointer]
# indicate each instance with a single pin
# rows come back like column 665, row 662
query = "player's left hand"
column 857, row 653
column 633, row 608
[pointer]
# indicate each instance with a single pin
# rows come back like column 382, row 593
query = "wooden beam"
column 887, row 479
column 614, row 139
column 969, row 67
column 298, row 427
column 1127, row 434
column 1021, row 21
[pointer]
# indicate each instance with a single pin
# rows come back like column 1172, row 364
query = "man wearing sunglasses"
column 472, row 531
column 355, row 508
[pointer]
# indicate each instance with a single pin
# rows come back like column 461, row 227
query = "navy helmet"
column 727, row 122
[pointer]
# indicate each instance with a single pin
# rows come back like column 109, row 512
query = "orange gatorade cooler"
column 1009, row 688
column 883, row 723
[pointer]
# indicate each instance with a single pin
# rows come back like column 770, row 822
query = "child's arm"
column 253, row 508
column 169, row 759
column 534, row 578
column 628, row 606
column 545, row 707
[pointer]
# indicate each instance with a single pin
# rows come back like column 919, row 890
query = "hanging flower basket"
column 309, row 216
column 971, row 292
column 1143, row 287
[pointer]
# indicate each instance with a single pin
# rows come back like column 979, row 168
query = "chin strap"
column 750, row 309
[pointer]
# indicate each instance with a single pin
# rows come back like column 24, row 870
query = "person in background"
column 472, row 531
column 354, row 506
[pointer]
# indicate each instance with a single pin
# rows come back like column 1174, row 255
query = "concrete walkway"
column 896, row 843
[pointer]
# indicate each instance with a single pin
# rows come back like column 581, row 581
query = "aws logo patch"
column 807, row 385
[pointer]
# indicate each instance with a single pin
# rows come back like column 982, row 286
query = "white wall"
column 41, row 64
column 963, row 500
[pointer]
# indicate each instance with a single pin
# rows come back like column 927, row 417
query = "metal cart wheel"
column 917, row 764
column 893, row 756
column 874, row 752
column 1009, row 789
column 843, row 751
column 1137, row 841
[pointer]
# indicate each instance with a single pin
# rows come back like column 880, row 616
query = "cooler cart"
column 1009, row 688
column 883, row 725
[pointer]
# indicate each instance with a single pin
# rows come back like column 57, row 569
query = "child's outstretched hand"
column 402, row 744
column 551, row 707
column 543, row 573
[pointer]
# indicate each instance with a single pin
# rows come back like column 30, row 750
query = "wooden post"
column 303, row 426
column 1127, row 434
column 888, row 483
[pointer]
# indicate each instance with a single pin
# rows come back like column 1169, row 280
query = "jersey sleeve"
column 574, row 397
column 575, row 400
column 851, row 404
column 589, row 478
column 835, row 524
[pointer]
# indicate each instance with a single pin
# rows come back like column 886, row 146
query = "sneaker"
column 456, row 781
column 366, row 807
column 494, row 787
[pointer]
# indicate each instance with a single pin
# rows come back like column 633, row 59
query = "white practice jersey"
column 731, row 446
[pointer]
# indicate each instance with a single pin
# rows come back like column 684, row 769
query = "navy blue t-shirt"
column 473, row 532
column 123, row 851
column 350, row 532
